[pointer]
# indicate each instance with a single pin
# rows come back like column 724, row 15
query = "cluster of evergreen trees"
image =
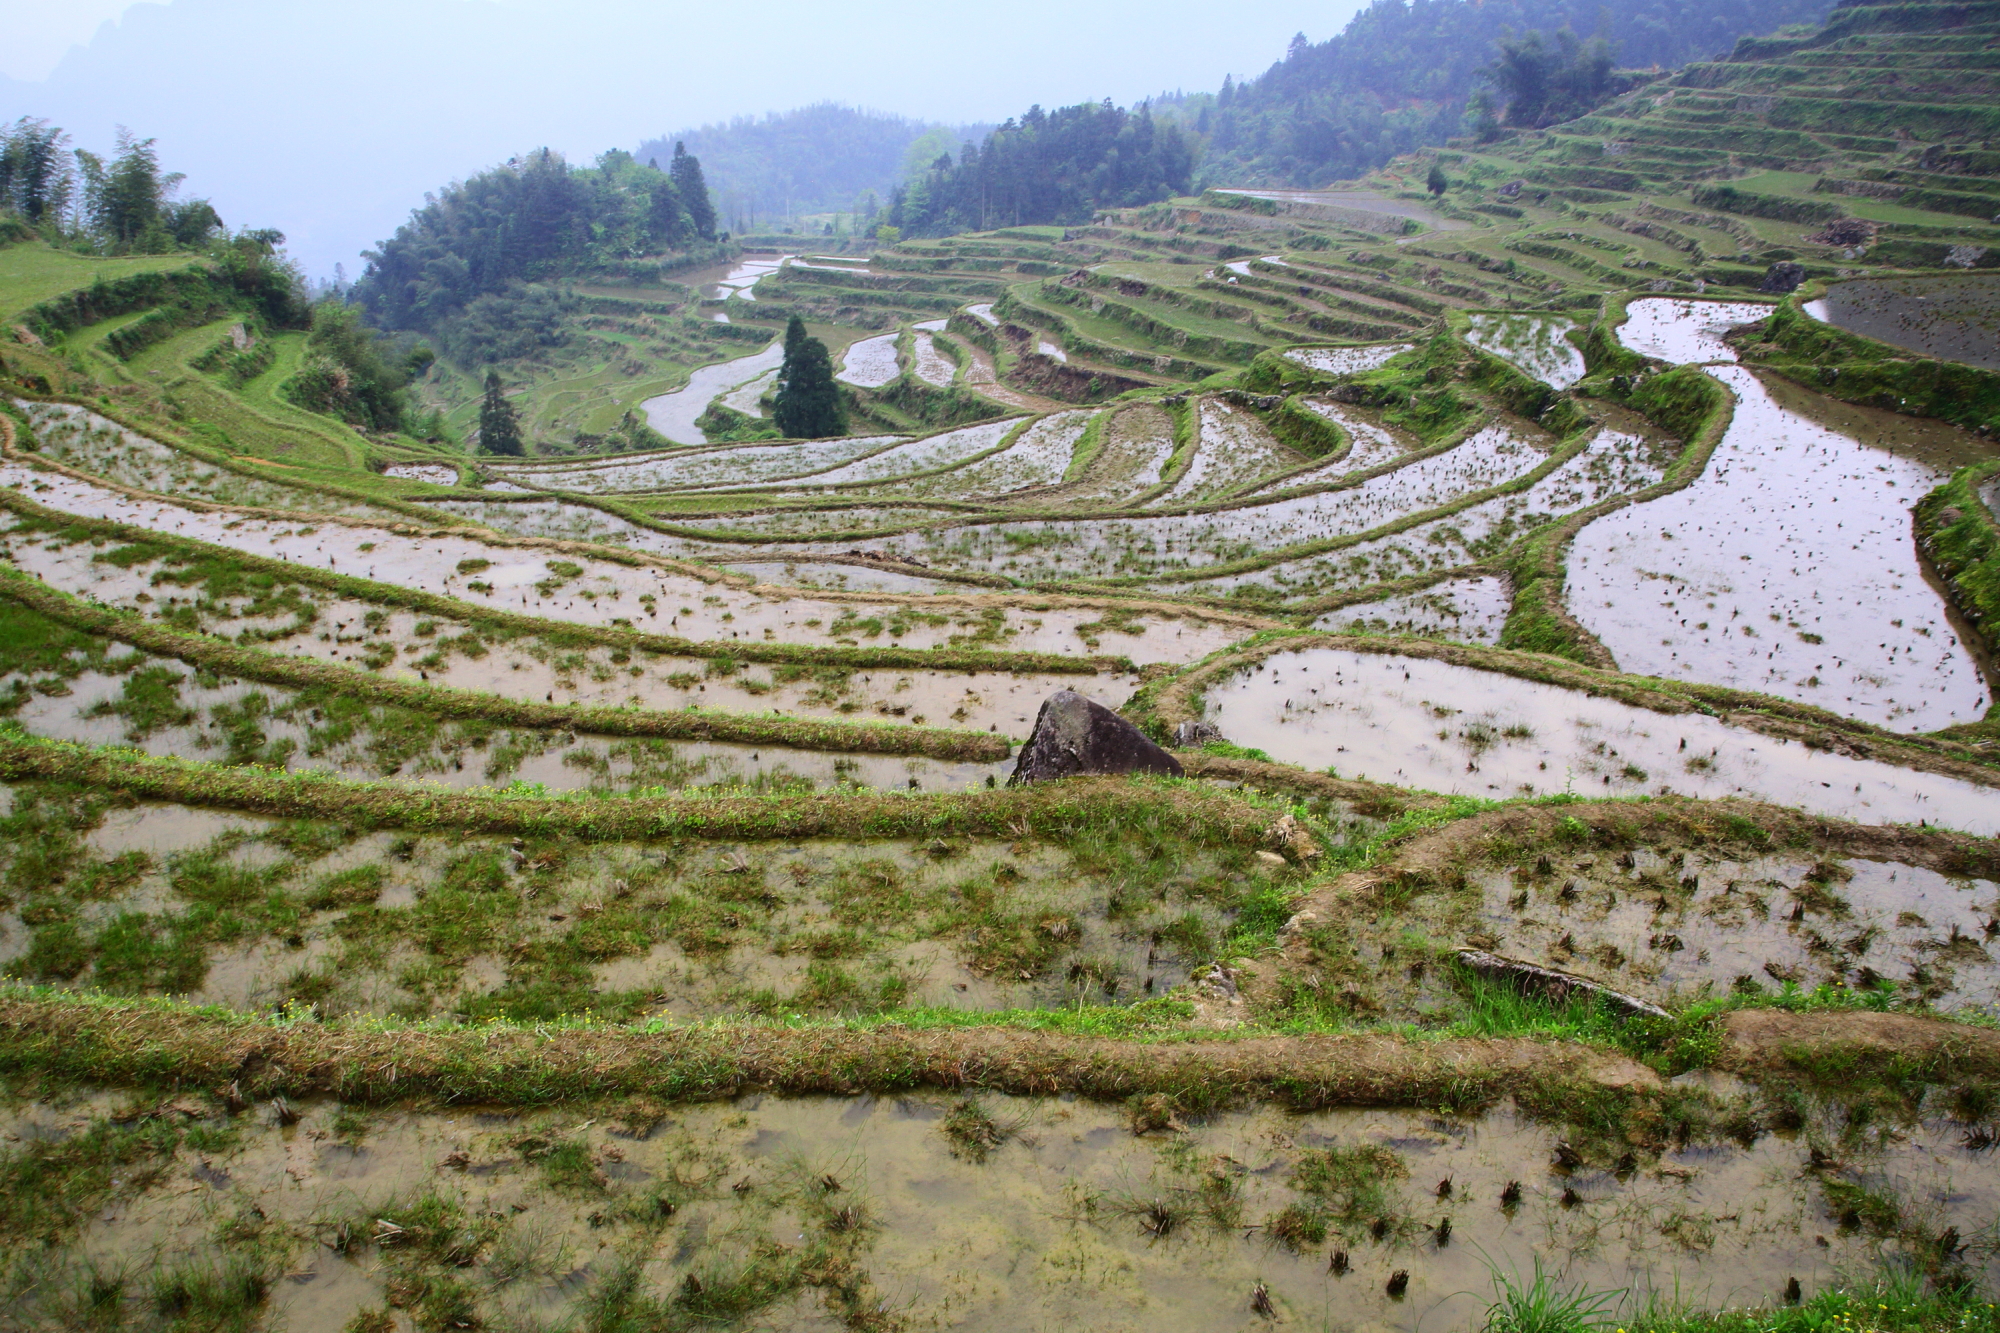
column 123, row 204
column 1401, row 75
column 463, row 267
column 1056, row 166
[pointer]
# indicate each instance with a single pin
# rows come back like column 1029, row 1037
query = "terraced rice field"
column 591, row 890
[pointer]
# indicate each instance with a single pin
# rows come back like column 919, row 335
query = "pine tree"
column 808, row 402
column 499, row 423
column 1436, row 182
column 685, row 171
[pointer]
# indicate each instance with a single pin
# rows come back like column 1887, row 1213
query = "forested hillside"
column 462, row 267
column 824, row 158
column 1048, row 167
column 1400, row 76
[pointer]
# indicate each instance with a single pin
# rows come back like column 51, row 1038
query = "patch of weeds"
column 47, row 1186
column 1298, row 1226
column 1354, row 1187
column 358, row 886
column 973, row 1131
column 216, row 1295
column 149, row 700
column 1857, row 1207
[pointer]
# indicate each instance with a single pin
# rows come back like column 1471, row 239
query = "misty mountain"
column 815, row 159
column 1399, row 76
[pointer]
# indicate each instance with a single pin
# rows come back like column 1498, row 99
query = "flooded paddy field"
column 718, row 465
column 91, row 443
column 614, row 907
column 871, row 362
column 1536, row 345
column 674, row 414
column 1952, row 319
column 1346, row 360
column 1468, row 610
column 164, row 707
column 1788, row 567
column 1685, row 332
column 1415, row 721
column 974, row 1213
column 353, row 922
column 1175, row 547
column 1613, row 463
column 584, row 590
column 1232, row 449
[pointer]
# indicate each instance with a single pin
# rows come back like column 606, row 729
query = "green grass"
column 256, row 422
column 32, row 272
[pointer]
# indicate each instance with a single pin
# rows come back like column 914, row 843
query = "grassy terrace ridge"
column 1205, row 813
column 227, row 659
column 1164, row 704
column 153, row 1043
column 1960, row 533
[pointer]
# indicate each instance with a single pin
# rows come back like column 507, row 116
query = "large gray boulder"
column 1074, row 736
column 1783, row 276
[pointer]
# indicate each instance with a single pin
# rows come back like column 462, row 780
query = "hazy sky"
column 329, row 118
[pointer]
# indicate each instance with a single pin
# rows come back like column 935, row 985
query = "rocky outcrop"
column 1783, row 276
column 1075, row 736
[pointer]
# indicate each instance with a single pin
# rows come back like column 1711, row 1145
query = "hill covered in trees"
column 824, row 158
column 464, row 268
column 1056, row 166
column 1400, row 76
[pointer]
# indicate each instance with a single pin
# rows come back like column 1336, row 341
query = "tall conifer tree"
column 808, row 401
column 499, row 423
column 685, row 171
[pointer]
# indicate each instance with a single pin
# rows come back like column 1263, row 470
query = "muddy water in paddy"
column 871, row 362
column 91, row 443
column 734, row 279
column 1788, row 567
column 1469, row 610
column 1346, row 360
column 1534, row 344
column 1955, row 319
column 1233, row 448
column 1614, row 463
column 673, row 414
column 937, row 451
column 268, row 725
column 370, row 923
column 696, row 469
column 933, row 367
column 601, row 593
column 420, row 648
column 436, row 474
column 1683, row 331
column 1047, row 1232
column 1037, row 458
column 1421, row 723
column 1178, row 546
column 1668, row 927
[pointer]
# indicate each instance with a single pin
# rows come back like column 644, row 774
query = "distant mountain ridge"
column 1399, row 77
column 824, row 158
